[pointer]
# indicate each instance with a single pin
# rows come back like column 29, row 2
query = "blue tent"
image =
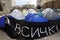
column 58, row 18
column 2, row 22
column 12, row 17
column 29, row 16
column 37, row 18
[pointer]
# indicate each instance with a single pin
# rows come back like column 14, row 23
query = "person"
column 38, row 7
column 39, row 10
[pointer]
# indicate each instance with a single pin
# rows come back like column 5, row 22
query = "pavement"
column 4, row 36
column 51, row 37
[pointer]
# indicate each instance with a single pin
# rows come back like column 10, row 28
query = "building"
column 13, row 3
column 49, row 3
column 5, row 6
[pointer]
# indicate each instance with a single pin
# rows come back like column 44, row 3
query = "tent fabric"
column 39, row 12
column 37, row 18
column 31, row 11
column 50, row 14
column 2, row 22
column 25, row 12
column 17, row 14
column 29, row 16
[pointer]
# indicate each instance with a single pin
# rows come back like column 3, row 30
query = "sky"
column 23, row 2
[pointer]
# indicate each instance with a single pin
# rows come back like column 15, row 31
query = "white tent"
column 17, row 14
column 50, row 14
column 31, row 11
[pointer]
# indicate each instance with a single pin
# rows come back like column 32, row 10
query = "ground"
column 52, row 37
column 4, row 36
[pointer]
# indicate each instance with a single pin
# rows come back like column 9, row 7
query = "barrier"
column 33, row 30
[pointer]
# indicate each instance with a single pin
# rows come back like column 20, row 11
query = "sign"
column 32, row 29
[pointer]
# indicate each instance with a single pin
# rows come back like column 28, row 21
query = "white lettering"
column 32, row 34
column 57, row 27
column 22, row 31
column 17, row 28
column 7, row 20
column 50, row 29
column 45, row 31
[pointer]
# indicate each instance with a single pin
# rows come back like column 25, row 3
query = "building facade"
column 5, row 6
column 49, row 3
